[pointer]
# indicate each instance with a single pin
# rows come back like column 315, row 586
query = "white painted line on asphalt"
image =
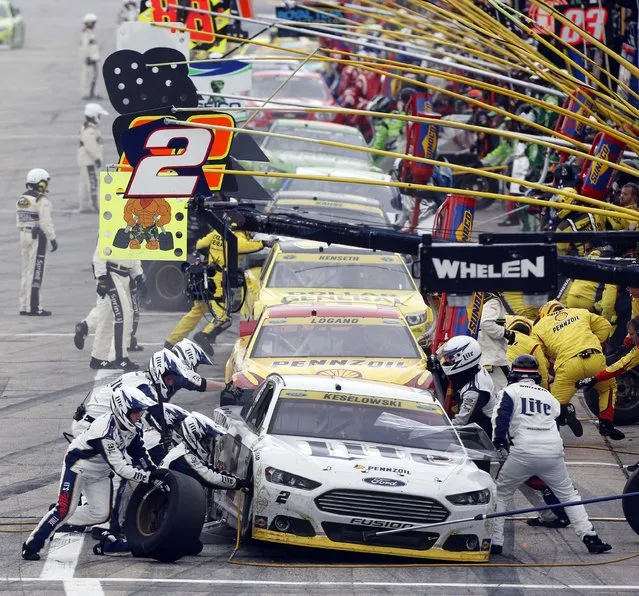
column 328, row 584
column 82, row 587
column 591, row 463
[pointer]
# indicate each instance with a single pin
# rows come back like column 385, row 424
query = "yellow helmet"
column 519, row 323
column 550, row 308
column 565, row 200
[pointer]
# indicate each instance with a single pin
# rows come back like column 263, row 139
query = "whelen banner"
column 467, row 268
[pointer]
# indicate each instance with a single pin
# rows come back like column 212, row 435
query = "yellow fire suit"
column 572, row 338
column 582, row 222
column 217, row 256
column 624, row 364
column 525, row 344
column 515, row 302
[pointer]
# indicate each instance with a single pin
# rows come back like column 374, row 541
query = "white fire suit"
column 89, row 461
column 182, row 459
column 492, row 341
column 113, row 331
column 477, row 399
column 128, row 12
column 33, row 219
column 90, row 56
column 90, row 157
column 525, row 414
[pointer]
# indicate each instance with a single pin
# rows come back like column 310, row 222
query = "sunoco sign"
column 466, row 268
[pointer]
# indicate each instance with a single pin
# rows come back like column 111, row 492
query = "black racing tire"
column 165, row 525
column 166, row 285
column 478, row 183
column 630, row 505
column 627, row 404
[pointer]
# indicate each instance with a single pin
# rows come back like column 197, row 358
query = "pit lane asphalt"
column 43, row 378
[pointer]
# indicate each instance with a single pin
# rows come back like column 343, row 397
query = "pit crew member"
column 572, row 338
column 524, row 424
column 88, row 463
column 524, row 344
column 33, row 219
column 90, row 55
column 493, row 338
column 90, row 157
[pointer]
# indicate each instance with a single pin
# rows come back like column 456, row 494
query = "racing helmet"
column 520, row 324
column 200, row 434
column 90, row 18
column 459, row 354
column 564, row 176
column 550, row 308
column 476, row 94
column 380, row 103
column 524, row 366
column 126, row 400
column 38, row 178
column 93, row 111
column 162, row 364
column 565, row 200
column 173, row 417
column 190, row 354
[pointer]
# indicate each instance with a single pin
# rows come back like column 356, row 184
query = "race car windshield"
column 313, row 340
column 343, row 275
column 329, row 215
column 298, row 87
column 382, row 193
column 367, row 420
column 299, row 146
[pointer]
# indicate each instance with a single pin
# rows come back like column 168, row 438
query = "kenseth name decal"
column 518, row 269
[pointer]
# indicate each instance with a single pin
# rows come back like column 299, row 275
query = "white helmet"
column 162, row 363
column 94, row 111
column 173, row 417
column 36, row 176
column 200, row 434
column 125, row 400
column 459, row 354
column 90, row 17
column 190, row 354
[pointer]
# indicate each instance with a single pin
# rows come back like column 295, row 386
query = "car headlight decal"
column 475, row 497
column 416, row 319
column 287, row 479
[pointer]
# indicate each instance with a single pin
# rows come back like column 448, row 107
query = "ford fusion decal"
column 391, row 482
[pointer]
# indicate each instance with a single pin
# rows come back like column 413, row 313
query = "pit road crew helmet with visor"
column 564, row 176
column 38, row 178
column 459, row 354
column 524, row 366
column 90, row 18
column 190, row 354
column 173, row 417
column 93, row 111
column 200, row 434
column 380, row 103
column 520, row 324
column 549, row 308
column 163, row 364
column 125, row 401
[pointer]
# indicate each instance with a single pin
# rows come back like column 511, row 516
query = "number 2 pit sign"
column 592, row 19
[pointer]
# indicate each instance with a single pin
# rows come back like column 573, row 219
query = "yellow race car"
column 304, row 272
column 353, row 341
column 12, row 28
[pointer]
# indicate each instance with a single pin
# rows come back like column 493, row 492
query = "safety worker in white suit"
column 113, row 331
column 90, row 157
column 525, row 433
column 494, row 338
column 33, row 219
column 90, row 56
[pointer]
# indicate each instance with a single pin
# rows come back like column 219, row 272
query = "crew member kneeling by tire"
column 192, row 457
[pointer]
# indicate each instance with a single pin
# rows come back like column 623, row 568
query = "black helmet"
column 524, row 367
column 564, row 176
column 380, row 103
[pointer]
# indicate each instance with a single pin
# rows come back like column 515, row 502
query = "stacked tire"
column 165, row 522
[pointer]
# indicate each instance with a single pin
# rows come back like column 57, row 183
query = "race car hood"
column 289, row 161
column 405, row 300
column 401, row 371
column 370, row 466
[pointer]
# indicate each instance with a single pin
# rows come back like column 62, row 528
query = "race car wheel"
column 627, row 404
column 17, row 41
column 477, row 183
column 631, row 505
column 166, row 284
column 165, row 524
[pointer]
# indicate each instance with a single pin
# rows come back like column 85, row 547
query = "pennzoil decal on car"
column 365, row 469
column 339, row 362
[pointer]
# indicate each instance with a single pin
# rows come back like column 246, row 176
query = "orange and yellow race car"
column 306, row 272
column 350, row 341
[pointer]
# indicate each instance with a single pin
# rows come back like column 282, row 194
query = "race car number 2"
column 178, row 161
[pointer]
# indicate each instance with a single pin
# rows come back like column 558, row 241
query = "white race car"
column 335, row 460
